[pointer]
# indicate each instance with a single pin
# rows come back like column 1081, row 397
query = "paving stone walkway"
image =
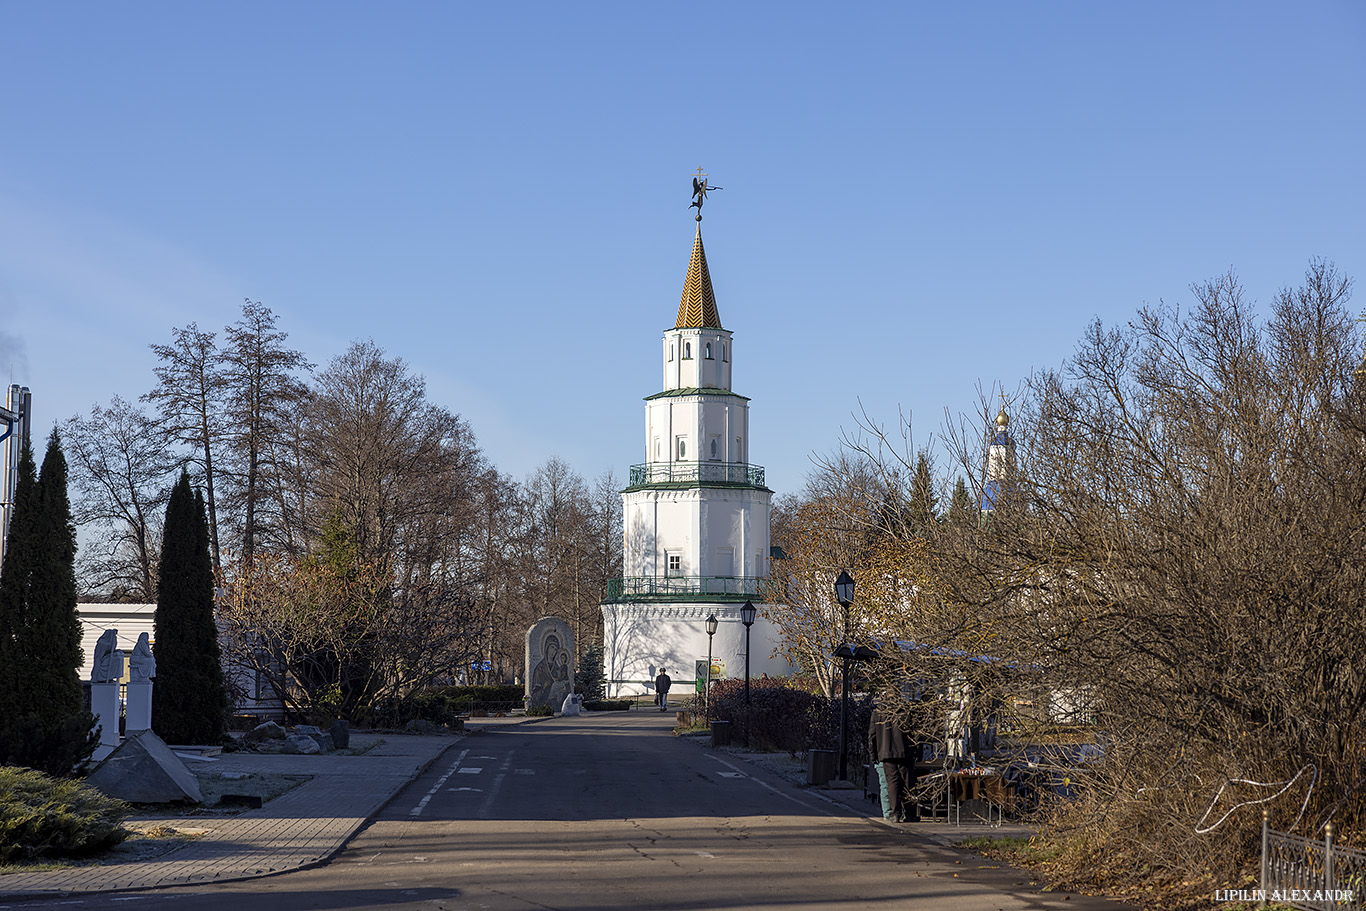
column 303, row 827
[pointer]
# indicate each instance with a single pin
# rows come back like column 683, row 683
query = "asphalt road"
column 613, row 812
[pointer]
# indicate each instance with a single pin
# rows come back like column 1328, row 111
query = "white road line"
column 422, row 804
column 487, row 806
column 793, row 798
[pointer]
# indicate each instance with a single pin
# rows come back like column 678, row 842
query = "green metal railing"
column 697, row 472
column 687, row 588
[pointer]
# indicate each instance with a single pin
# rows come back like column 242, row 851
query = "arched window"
column 707, row 355
column 687, row 351
column 723, row 351
column 671, row 350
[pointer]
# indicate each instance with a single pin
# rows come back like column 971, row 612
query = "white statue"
column 108, row 663
column 141, row 665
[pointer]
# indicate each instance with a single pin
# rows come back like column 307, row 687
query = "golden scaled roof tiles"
column 697, row 308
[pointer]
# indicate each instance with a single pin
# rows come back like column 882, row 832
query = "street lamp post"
column 747, row 615
column 706, row 686
column 844, row 593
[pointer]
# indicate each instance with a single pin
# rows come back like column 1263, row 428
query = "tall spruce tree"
column 924, row 504
column 960, row 507
column 189, row 700
column 45, row 726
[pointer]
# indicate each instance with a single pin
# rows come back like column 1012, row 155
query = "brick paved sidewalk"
column 306, row 826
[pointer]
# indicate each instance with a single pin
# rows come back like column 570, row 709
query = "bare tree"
column 259, row 383
column 120, row 473
column 836, row 525
column 1184, row 557
column 558, row 569
column 189, row 398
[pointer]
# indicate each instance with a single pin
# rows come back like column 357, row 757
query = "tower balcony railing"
column 687, row 588
column 697, row 473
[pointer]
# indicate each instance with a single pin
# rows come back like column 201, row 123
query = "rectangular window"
column 671, row 350
column 673, row 564
column 682, row 448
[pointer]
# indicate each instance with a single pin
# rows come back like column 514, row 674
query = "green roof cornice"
column 696, row 390
column 696, row 485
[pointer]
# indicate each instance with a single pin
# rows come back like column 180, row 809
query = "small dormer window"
column 687, row 351
column 707, row 353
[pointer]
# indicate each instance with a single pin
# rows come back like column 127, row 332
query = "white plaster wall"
column 698, row 417
column 638, row 639
column 684, row 373
column 695, row 522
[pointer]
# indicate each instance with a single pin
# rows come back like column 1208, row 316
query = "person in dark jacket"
column 662, row 684
column 891, row 748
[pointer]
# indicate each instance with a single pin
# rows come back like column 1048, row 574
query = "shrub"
column 789, row 717
column 41, row 816
column 57, row 746
column 498, row 697
column 539, row 711
column 430, row 706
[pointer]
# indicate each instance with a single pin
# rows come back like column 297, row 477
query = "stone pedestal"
column 138, row 715
column 104, row 704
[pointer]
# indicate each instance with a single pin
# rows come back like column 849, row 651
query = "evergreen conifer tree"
column 45, row 726
column 924, row 504
column 590, row 680
column 15, row 574
column 54, row 627
column 189, row 700
column 960, row 507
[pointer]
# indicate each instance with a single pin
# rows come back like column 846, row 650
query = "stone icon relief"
column 549, row 662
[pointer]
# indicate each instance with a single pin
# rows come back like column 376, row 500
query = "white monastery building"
column 695, row 517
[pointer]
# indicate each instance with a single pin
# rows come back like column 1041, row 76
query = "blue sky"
column 918, row 197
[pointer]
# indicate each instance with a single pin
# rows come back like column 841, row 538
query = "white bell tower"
column 696, row 511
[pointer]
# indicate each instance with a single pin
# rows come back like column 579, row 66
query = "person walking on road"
column 895, row 756
column 662, row 684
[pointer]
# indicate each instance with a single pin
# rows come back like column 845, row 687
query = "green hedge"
column 45, row 817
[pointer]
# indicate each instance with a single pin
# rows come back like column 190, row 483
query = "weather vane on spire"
column 699, row 191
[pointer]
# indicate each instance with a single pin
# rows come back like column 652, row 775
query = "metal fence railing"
column 687, row 588
column 697, row 473
column 1309, row 873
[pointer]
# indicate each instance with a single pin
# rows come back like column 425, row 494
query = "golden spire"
column 697, row 309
